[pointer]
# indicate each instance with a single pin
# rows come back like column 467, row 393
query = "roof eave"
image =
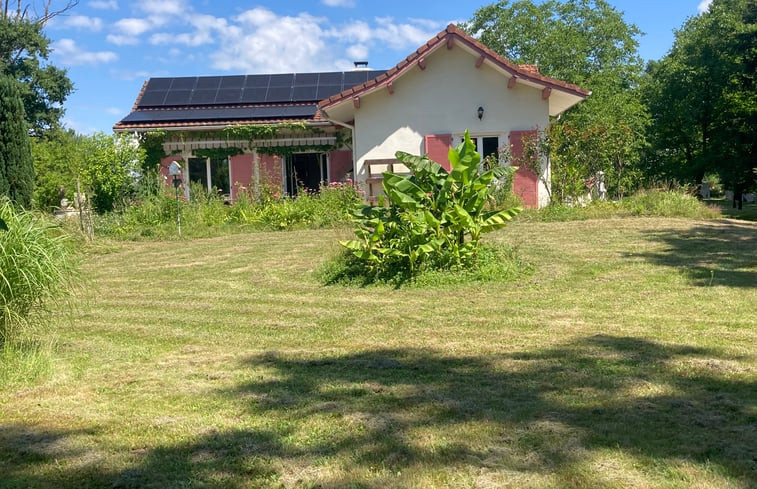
column 435, row 43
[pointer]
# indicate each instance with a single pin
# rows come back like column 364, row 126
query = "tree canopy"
column 703, row 100
column 24, row 50
column 586, row 42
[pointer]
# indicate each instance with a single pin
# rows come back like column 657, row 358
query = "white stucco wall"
column 443, row 99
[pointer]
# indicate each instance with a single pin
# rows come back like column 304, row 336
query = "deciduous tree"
column 586, row 42
column 703, row 100
column 24, row 50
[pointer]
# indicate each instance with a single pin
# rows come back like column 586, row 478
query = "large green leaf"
column 402, row 191
column 352, row 244
column 464, row 161
column 498, row 219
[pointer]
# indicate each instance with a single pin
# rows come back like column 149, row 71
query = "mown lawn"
column 626, row 358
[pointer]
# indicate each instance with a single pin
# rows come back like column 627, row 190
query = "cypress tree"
column 16, row 164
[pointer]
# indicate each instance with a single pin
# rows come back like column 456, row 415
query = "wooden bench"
column 375, row 170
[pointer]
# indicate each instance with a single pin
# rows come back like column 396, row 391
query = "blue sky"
column 110, row 47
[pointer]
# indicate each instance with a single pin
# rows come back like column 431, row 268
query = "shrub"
column 153, row 216
column 435, row 218
column 36, row 265
column 667, row 204
column 645, row 203
column 493, row 264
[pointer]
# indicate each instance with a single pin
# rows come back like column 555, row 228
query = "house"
column 296, row 130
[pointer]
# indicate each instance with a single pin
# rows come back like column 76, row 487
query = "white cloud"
column 94, row 24
column 132, row 75
column 265, row 42
column 704, row 6
column 104, row 4
column 193, row 39
column 163, row 7
column 358, row 31
column 121, row 40
column 339, row 3
column 402, row 36
column 127, row 31
column 259, row 16
column 132, row 26
column 114, row 111
column 399, row 36
column 358, row 52
column 205, row 28
column 72, row 55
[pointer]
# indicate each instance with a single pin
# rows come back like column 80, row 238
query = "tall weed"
column 37, row 265
column 645, row 203
column 207, row 214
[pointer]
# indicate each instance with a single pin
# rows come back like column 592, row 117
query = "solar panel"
column 236, row 81
column 185, row 83
column 178, row 97
column 352, row 78
column 302, row 94
column 299, row 111
column 152, row 97
column 333, row 78
column 158, row 84
column 326, row 91
column 228, row 114
column 257, row 81
column 283, row 80
column 208, row 82
column 305, row 79
column 229, row 95
column 203, row 97
column 249, row 89
column 279, row 94
column 254, row 95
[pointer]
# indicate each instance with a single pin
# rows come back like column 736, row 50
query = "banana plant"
column 432, row 213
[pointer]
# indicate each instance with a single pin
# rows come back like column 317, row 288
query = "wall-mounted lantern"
column 480, row 113
column 174, row 170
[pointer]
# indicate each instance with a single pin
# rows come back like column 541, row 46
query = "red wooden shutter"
column 241, row 173
column 437, row 147
column 525, row 181
column 340, row 165
column 270, row 171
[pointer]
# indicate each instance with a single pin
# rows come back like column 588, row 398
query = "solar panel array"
column 249, row 89
column 220, row 114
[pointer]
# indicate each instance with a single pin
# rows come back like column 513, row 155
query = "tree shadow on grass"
column 718, row 253
column 358, row 420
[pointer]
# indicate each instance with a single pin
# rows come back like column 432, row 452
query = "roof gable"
column 450, row 37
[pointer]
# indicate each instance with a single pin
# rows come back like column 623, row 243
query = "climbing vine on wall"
column 216, row 153
column 152, row 141
column 251, row 132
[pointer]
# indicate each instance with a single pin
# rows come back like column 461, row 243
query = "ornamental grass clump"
column 37, row 265
column 434, row 220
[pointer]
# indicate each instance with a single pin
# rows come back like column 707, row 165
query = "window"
column 485, row 145
column 210, row 173
column 305, row 170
